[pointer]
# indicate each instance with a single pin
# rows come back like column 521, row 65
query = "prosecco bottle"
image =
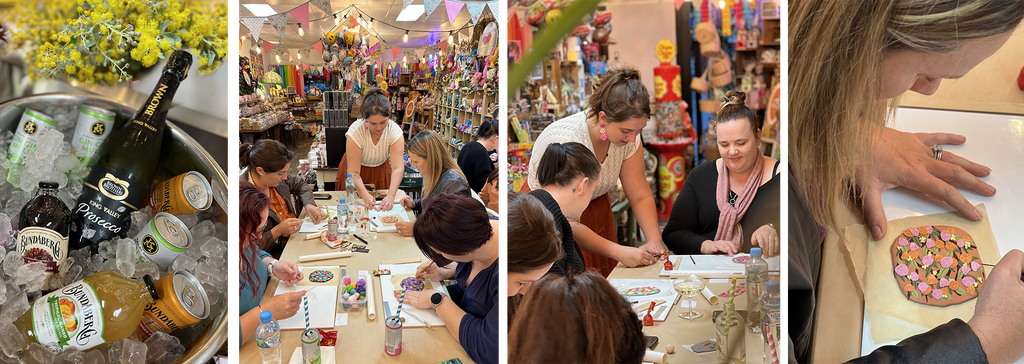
column 44, row 225
column 124, row 169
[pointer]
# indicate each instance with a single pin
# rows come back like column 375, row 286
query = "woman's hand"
column 404, row 228
column 655, row 248
column 287, row 272
column 418, row 299
column 999, row 310
column 368, row 200
column 429, row 271
column 315, row 213
column 906, row 159
column 284, row 305
column 767, row 238
column 714, row 246
column 635, row 257
column 387, row 203
column 408, row 203
column 288, row 227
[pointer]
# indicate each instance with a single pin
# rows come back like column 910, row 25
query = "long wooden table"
column 680, row 333
column 362, row 340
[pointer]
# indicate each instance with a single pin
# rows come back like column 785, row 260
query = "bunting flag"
column 325, row 5
column 495, row 10
column 679, row 4
column 255, row 25
column 431, row 5
column 305, row 52
column 406, row 3
column 453, row 9
column 319, row 46
column 267, row 47
column 395, row 52
column 278, row 22
column 475, row 9
column 411, row 54
column 302, row 14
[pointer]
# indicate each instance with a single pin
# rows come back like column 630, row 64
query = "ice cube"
column 204, row 228
column 133, row 352
column 144, row 268
column 141, row 217
column 11, row 340
column 212, row 293
column 206, row 273
column 221, row 231
column 94, row 357
column 73, row 274
column 189, row 220
column 3, row 293
column 110, row 264
column 13, row 261
column 14, row 203
column 216, row 262
column 184, row 262
column 31, row 275
column 108, row 249
column 6, row 230
column 127, row 253
column 162, row 345
column 70, row 355
column 37, row 354
column 66, row 162
column 215, row 248
column 16, row 305
column 81, row 255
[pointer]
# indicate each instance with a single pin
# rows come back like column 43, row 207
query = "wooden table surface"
column 679, row 332
column 362, row 340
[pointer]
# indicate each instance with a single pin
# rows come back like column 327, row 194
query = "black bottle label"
column 106, row 204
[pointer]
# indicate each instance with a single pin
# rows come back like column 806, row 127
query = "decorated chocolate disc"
column 413, row 284
column 937, row 265
column 320, row 276
column 389, row 219
column 743, row 259
column 641, row 291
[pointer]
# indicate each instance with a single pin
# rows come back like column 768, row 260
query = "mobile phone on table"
column 651, row 342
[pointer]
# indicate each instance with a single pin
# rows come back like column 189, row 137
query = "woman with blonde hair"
column 373, row 151
column 850, row 62
column 428, row 154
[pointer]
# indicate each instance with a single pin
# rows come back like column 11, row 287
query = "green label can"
column 310, row 347
column 94, row 125
column 31, row 125
column 162, row 240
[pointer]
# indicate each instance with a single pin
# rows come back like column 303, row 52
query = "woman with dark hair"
column 265, row 165
column 489, row 194
column 610, row 128
column 731, row 204
column 537, row 244
column 567, row 174
column 256, row 266
column 456, row 228
column 591, row 324
column 475, row 157
column 429, row 155
column 374, row 151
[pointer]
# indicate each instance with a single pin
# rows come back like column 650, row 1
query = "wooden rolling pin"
column 371, row 305
column 655, row 357
column 324, row 256
column 710, row 295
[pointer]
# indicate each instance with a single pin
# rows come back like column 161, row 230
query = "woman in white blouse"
column 373, row 151
column 610, row 127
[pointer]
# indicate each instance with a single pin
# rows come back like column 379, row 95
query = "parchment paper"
column 892, row 316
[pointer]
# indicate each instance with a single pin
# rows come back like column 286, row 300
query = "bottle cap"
column 350, row 175
column 755, row 252
column 178, row 63
column 149, row 285
column 341, row 200
column 49, row 185
column 266, row 316
column 773, row 286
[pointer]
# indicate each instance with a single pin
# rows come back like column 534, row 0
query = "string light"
column 300, row 29
column 243, row 38
column 451, row 38
column 371, row 23
column 405, row 38
column 278, row 58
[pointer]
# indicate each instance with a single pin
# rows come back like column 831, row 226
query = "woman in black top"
column 568, row 174
column 428, row 154
column 694, row 226
column 475, row 158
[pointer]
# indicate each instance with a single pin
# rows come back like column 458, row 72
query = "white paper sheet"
column 322, row 302
column 713, row 266
column 391, row 303
column 667, row 294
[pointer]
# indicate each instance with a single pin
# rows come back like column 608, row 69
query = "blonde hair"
column 835, row 62
column 431, row 147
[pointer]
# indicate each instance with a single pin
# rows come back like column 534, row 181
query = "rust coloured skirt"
column 598, row 217
column 379, row 176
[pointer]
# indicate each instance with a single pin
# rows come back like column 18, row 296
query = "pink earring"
column 603, row 135
column 367, row 127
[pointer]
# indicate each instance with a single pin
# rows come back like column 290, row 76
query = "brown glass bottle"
column 118, row 183
column 43, row 231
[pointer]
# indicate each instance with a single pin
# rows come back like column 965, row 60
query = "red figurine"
column 648, row 319
column 668, row 265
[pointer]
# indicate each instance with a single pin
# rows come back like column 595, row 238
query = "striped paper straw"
column 771, row 342
column 400, row 301
column 305, row 307
column 728, row 315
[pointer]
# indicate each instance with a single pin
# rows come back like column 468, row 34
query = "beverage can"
column 183, row 194
column 183, row 302
column 311, row 346
column 393, row 336
column 332, row 229
column 93, row 127
column 162, row 240
column 32, row 123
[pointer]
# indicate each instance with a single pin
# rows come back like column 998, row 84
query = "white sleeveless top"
column 574, row 128
column 374, row 154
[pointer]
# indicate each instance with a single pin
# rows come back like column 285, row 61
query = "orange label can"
column 183, row 194
column 183, row 302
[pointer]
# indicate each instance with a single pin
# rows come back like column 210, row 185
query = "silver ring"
column 937, row 152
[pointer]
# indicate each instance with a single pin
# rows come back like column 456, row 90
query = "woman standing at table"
column 374, row 151
column 475, row 157
column 489, row 194
column 575, row 319
column 853, row 60
column 456, row 228
column 735, row 209
column 428, row 154
column 257, row 265
column 619, row 108
column 265, row 165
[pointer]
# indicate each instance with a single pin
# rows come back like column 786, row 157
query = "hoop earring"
column 603, row 135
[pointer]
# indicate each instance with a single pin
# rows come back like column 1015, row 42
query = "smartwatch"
column 436, row 299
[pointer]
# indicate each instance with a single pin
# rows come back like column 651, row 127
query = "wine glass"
column 689, row 287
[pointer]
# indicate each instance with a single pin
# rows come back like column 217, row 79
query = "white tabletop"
column 993, row 140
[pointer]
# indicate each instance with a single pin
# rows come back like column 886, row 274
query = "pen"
column 361, row 239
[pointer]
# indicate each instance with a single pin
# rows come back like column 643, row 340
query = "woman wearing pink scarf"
column 731, row 204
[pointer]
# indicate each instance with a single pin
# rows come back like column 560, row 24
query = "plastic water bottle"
column 342, row 213
column 350, row 188
column 268, row 339
column 757, row 277
column 770, row 314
